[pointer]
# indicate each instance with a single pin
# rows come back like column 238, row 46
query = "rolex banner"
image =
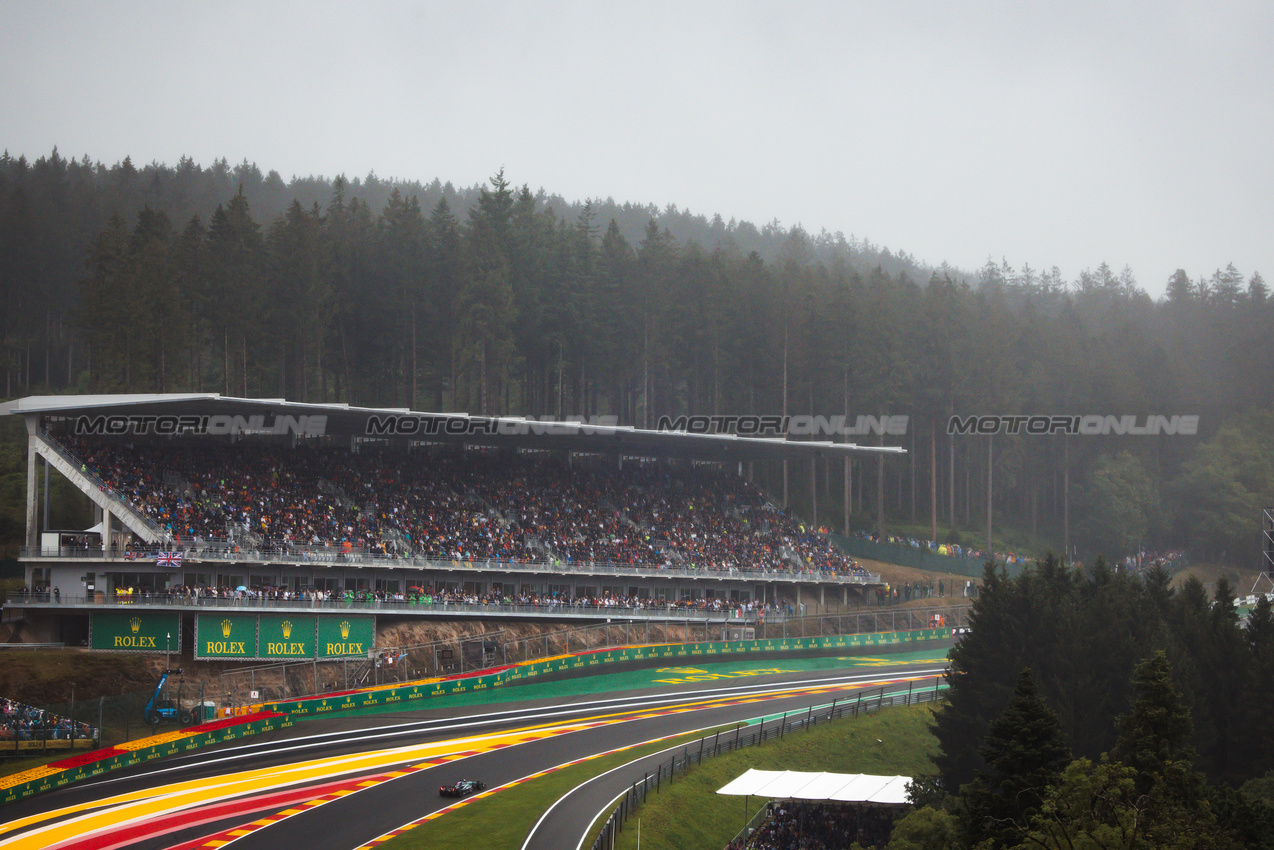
column 283, row 636
column 343, row 637
column 279, row 637
column 135, row 631
column 226, row 636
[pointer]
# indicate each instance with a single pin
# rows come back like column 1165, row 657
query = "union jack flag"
column 168, row 559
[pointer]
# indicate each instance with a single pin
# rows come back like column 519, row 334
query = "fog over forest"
column 503, row 299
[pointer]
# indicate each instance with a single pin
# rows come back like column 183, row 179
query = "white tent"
column 840, row 787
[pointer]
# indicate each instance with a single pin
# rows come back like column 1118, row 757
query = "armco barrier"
column 61, row 773
column 281, row 715
column 412, row 692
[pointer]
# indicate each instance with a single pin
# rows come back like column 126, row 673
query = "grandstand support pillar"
column 821, row 602
column 814, row 488
column 845, row 497
column 107, row 533
column 32, row 532
column 844, row 595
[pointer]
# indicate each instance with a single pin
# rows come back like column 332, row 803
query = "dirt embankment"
column 44, row 677
column 413, row 632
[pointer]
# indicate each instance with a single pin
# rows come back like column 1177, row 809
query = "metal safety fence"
column 461, row 655
column 744, row 736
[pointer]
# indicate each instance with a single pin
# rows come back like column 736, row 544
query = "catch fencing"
column 716, row 744
column 468, row 654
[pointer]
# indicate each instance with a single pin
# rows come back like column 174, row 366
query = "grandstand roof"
column 343, row 420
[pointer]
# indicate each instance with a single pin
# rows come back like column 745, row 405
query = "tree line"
column 496, row 299
column 1094, row 709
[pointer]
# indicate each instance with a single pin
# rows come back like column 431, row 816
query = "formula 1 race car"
column 463, row 788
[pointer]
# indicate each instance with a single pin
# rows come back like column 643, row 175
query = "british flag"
column 169, row 559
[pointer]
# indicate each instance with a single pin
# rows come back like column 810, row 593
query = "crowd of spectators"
column 809, row 826
column 954, row 550
column 429, row 595
column 21, row 722
column 1136, row 562
column 470, row 506
column 1141, row 561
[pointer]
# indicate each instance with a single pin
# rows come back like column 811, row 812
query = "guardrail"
column 713, row 745
column 474, row 653
column 278, row 715
column 410, row 692
column 42, row 742
column 76, row 768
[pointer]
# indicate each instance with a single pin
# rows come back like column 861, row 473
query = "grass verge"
column 688, row 814
column 501, row 821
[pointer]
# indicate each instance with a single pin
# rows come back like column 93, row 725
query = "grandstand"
column 201, row 496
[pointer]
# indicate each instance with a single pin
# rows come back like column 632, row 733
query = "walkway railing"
column 435, row 607
column 97, row 489
column 337, row 557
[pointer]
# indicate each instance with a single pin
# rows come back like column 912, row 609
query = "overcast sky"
column 1065, row 134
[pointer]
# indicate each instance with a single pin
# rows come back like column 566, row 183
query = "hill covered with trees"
column 497, row 299
column 1101, row 710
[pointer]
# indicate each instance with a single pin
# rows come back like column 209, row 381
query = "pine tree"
column 1025, row 753
column 1154, row 737
column 1149, row 797
column 1259, row 737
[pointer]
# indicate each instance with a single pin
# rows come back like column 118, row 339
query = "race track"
column 343, row 782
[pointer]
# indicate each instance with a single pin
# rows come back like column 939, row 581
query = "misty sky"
column 1060, row 134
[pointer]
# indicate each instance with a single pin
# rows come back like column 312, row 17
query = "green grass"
column 503, row 819
column 689, row 814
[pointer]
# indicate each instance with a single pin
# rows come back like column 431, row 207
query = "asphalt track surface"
column 345, row 781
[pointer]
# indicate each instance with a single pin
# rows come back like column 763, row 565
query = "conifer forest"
column 500, row 299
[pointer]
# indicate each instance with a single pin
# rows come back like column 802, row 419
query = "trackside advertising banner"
column 345, row 637
column 282, row 715
column 407, row 694
column 135, row 631
column 277, row 637
column 226, row 636
column 283, row 637
column 62, row 773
